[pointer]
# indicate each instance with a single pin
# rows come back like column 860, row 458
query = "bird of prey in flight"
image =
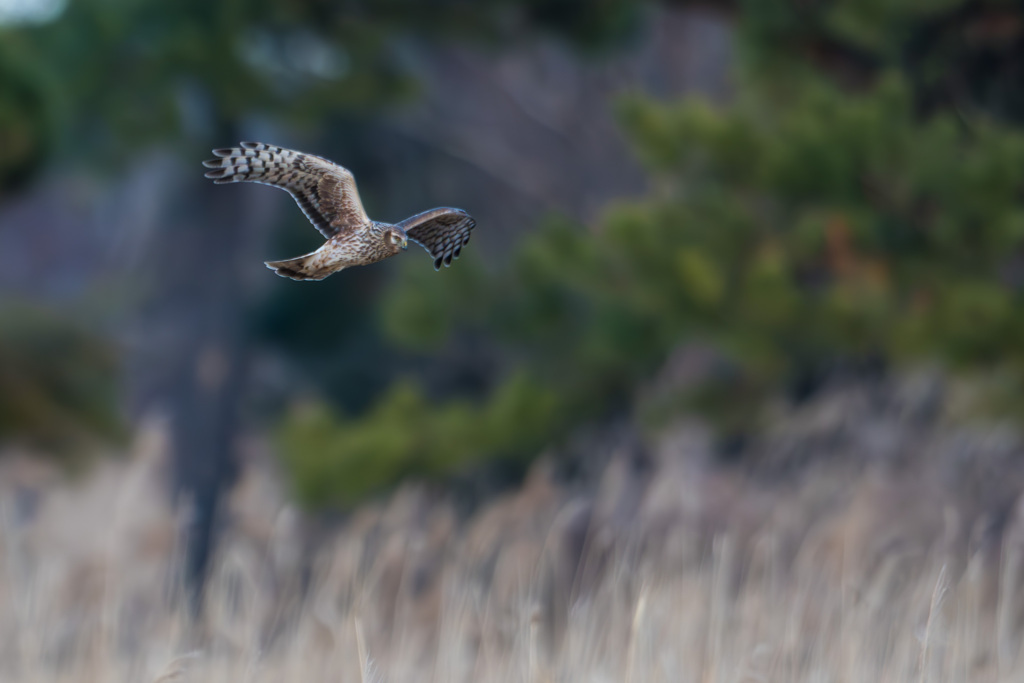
column 326, row 193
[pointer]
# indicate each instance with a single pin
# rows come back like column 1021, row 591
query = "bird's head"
column 396, row 239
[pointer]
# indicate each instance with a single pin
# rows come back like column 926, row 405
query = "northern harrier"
column 327, row 194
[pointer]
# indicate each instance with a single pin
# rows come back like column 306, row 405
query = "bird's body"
column 327, row 195
column 349, row 248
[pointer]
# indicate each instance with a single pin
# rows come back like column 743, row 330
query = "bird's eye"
column 393, row 237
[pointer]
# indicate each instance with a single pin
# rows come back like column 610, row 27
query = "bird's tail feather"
column 308, row 267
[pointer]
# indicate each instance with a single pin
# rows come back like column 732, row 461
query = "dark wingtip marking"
column 437, row 263
column 224, row 152
column 284, row 271
column 457, row 251
column 213, row 163
column 251, row 145
column 447, row 260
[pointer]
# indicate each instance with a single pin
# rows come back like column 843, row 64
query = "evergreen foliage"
column 108, row 78
column 57, row 388
column 26, row 119
column 859, row 198
column 816, row 219
column 340, row 461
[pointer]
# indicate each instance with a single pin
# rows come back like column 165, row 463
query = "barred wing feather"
column 325, row 191
column 442, row 232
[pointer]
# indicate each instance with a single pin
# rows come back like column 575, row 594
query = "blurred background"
column 739, row 266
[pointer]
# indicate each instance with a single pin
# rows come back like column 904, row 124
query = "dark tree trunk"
column 197, row 346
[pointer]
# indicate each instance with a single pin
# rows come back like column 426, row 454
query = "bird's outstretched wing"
column 442, row 232
column 324, row 191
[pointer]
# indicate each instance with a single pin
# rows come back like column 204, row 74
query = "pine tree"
column 859, row 201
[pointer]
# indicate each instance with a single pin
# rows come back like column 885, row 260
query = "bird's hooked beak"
column 405, row 244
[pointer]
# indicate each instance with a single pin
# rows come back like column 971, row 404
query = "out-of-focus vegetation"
column 129, row 73
column 57, row 392
column 26, row 119
column 104, row 81
column 407, row 434
column 855, row 202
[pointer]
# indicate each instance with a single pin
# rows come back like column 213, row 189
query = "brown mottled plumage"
column 327, row 194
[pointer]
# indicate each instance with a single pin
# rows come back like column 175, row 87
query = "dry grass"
column 405, row 593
